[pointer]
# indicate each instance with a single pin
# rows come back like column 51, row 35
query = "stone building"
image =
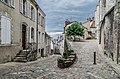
column 41, row 33
column 22, row 30
column 48, row 45
column 108, row 21
column 97, row 24
column 90, row 29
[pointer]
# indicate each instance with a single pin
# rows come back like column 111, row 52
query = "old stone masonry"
column 47, row 68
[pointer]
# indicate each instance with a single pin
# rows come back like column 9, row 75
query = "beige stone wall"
column 8, row 53
column 17, row 20
column 41, row 37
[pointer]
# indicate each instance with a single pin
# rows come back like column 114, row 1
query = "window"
column 9, row 2
column 39, row 37
column 23, row 6
column 42, row 21
column 12, row 3
column 32, row 13
column 39, row 19
column 5, row 31
column 43, row 37
column 32, row 33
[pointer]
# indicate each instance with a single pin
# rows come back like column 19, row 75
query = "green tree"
column 75, row 29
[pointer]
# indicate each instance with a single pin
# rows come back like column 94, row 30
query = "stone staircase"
column 22, row 56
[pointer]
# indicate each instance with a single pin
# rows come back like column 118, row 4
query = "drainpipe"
column 99, row 25
column 118, row 47
column 37, row 32
column 118, row 27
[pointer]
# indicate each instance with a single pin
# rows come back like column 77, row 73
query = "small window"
column 32, row 33
column 39, row 19
column 42, row 37
column 32, row 13
column 24, row 7
column 42, row 21
column 39, row 37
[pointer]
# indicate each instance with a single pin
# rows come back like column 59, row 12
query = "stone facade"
column 48, row 44
column 109, row 27
column 22, row 28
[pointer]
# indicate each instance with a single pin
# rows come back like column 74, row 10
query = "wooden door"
column 24, row 36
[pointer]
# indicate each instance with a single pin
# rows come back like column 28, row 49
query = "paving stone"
column 47, row 68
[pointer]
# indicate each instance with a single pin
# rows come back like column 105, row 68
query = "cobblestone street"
column 47, row 68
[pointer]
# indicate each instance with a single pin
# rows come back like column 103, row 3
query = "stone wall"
column 6, row 55
column 110, row 31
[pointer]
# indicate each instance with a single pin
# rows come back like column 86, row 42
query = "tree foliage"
column 75, row 29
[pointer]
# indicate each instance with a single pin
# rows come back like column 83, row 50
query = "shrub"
column 65, row 55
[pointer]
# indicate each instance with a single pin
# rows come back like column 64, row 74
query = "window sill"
column 4, row 45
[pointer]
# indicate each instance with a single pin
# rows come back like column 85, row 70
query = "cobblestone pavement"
column 47, row 68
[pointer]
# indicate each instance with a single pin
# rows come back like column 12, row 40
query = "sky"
column 57, row 11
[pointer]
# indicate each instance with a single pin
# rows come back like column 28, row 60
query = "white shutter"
column 30, row 10
column 29, row 34
column 13, row 3
column 21, row 6
column 3, row 25
column 35, row 35
column 8, row 31
column 5, row 30
column 34, row 14
column 26, row 8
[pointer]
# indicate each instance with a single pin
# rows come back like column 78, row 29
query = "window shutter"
column 21, row 6
column 5, row 30
column 29, row 34
column 26, row 8
column 8, row 31
column 30, row 10
column 13, row 3
column 3, row 25
column 34, row 14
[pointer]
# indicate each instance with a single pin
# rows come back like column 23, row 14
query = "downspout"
column 99, row 25
column 37, row 32
column 118, row 46
column 118, row 33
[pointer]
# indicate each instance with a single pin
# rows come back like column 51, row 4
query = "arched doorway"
column 24, row 36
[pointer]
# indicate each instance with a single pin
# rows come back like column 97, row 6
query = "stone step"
column 21, row 55
column 20, row 59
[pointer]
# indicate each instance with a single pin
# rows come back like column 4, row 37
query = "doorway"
column 42, row 52
column 24, row 36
